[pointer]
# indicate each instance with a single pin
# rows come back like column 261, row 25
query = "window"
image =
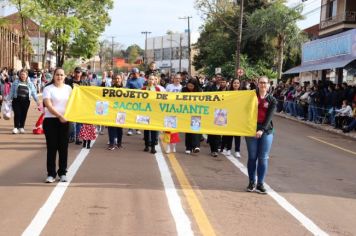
column 166, row 53
column 158, row 54
column 332, row 11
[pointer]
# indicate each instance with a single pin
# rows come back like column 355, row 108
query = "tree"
column 74, row 26
column 216, row 45
column 133, row 52
column 276, row 23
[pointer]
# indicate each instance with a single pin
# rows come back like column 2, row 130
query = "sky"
column 131, row 17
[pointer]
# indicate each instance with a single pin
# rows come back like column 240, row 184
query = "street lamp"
column 189, row 50
column 145, row 54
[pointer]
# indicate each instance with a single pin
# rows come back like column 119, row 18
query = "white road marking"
column 183, row 224
column 305, row 221
column 44, row 214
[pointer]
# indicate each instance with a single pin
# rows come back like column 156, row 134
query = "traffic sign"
column 240, row 72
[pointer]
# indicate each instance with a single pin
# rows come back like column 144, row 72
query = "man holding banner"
column 134, row 82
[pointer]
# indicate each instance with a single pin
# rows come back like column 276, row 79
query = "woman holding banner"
column 192, row 141
column 227, row 140
column 55, row 126
column 258, row 147
column 150, row 136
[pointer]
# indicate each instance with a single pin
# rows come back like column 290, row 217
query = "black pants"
column 150, row 137
column 214, row 142
column 341, row 121
column 192, row 141
column 56, row 134
column 227, row 142
column 20, row 107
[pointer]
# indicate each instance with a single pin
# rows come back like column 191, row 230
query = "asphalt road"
column 128, row 191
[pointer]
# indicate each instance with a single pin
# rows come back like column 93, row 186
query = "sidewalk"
column 325, row 127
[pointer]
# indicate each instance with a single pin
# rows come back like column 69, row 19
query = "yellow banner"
column 222, row 113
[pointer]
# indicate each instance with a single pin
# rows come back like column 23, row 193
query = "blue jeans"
column 258, row 154
column 313, row 113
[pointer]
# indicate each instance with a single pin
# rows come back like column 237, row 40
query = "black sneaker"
column 153, row 150
column 251, row 187
column 146, row 149
column 78, row 142
column 261, row 189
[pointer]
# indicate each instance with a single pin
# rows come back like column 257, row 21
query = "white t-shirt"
column 174, row 88
column 58, row 96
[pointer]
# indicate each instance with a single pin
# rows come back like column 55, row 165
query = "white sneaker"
column 224, row 151
column 237, row 154
column 174, row 148
column 101, row 132
column 22, row 130
column 129, row 133
column 187, row 151
column 168, row 149
column 63, row 178
column 228, row 153
column 15, row 131
column 50, row 179
column 138, row 132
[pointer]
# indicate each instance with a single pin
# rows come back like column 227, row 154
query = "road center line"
column 332, row 145
column 45, row 212
column 305, row 221
column 183, row 224
column 200, row 216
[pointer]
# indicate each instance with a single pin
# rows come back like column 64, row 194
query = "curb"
column 324, row 127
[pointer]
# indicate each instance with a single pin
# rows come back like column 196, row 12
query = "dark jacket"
column 267, row 125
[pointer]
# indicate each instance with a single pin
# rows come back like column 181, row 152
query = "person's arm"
column 53, row 111
column 270, row 111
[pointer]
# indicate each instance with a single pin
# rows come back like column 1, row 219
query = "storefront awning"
column 321, row 66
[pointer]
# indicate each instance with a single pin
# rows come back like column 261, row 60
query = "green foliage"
column 277, row 25
column 133, row 52
column 217, row 43
column 69, row 65
column 74, row 25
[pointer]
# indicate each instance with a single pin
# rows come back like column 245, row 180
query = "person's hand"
column 62, row 119
column 259, row 133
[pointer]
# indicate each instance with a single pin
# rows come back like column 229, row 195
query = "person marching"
column 87, row 134
column 21, row 91
column 215, row 140
column 192, row 141
column 55, row 126
column 259, row 147
column 227, row 140
column 175, row 87
column 150, row 136
column 115, row 133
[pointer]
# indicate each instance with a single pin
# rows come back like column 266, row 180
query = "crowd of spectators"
column 321, row 102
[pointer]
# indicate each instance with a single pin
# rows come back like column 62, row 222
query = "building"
column 333, row 55
column 37, row 38
column 170, row 52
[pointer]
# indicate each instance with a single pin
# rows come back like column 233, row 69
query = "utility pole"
column 145, row 54
column 189, row 49
column 239, row 37
column 180, row 53
column 112, row 52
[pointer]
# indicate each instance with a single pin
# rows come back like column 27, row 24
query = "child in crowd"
column 173, row 138
column 87, row 133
